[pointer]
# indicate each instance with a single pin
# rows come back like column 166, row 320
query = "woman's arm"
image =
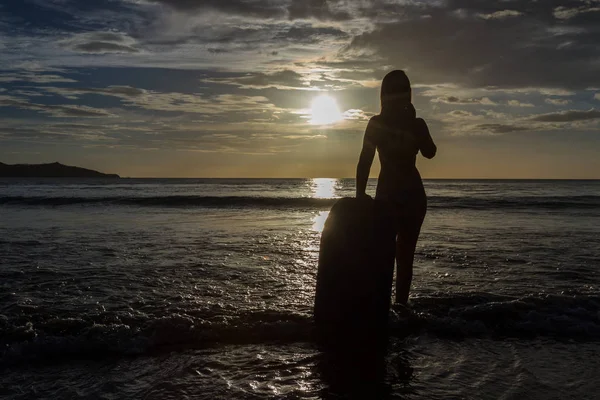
column 426, row 145
column 365, row 161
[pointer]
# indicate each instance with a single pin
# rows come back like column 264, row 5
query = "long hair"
column 396, row 94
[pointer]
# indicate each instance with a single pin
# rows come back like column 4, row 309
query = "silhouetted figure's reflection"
column 362, row 375
column 398, row 136
column 353, row 376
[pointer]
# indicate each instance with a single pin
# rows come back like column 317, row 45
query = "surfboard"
column 354, row 276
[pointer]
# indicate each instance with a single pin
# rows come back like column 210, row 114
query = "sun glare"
column 323, row 188
column 324, row 111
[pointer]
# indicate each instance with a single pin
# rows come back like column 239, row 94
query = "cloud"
column 31, row 135
column 568, row 13
column 356, row 114
column 483, row 123
column 257, row 80
column 104, row 47
column 568, row 116
column 558, row 102
column 517, row 103
column 500, row 128
column 34, row 77
column 467, row 50
column 324, row 10
column 306, row 33
column 69, row 111
column 109, row 36
column 224, row 77
column 101, row 43
column 113, row 90
column 27, row 93
column 250, row 8
column 213, row 50
column 304, row 137
column 501, row 14
column 461, row 114
column 318, row 9
column 455, row 100
column 545, row 91
column 230, row 105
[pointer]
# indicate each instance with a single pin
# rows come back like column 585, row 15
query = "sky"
column 222, row 88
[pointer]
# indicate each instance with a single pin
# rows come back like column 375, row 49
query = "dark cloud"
column 563, row 12
column 56, row 110
column 365, row 62
column 104, row 47
column 49, row 17
column 457, row 100
column 501, row 14
column 286, row 78
column 28, row 134
column 120, row 91
column 234, row 38
column 214, row 50
column 33, row 77
column 251, row 8
column 500, row 128
column 310, row 34
column 357, row 75
column 325, row 10
column 108, row 37
column 218, row 36
column 558, row 102
column 318, row 9
column 542, row 9
column 123, row 90
column 568, row 116
column 455, row 44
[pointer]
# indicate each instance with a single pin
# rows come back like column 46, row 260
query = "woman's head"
column 395, row 90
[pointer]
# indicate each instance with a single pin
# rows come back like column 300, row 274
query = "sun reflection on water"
column 323, row 188
column 319, row 221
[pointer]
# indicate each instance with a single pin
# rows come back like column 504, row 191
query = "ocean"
column 203, row 289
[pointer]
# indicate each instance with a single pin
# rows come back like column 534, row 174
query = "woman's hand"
column 363, row 196
column 365, row 160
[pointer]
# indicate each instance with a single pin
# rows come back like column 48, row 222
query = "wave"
column 523, row 202
column 557, row 316
column 175, row 201
column 526, row 202
column 459, row 316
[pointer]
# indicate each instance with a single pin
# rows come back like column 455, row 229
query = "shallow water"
column 204, row 289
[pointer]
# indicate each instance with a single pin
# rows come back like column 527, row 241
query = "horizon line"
column 325, row 177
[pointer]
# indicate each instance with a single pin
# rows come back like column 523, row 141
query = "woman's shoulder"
column 376, row 121
column 420, row 121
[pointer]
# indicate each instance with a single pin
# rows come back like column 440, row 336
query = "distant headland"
column 53, row 170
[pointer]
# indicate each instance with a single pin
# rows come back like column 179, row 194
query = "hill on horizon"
column 51, row 170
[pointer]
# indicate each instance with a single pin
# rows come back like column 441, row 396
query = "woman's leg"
column 406, row 244
column 405, row 255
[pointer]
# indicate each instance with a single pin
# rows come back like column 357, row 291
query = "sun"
column 324, row 110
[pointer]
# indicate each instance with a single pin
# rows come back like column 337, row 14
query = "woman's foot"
column 401, row 309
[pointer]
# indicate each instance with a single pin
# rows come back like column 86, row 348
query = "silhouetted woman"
column 398, row 135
